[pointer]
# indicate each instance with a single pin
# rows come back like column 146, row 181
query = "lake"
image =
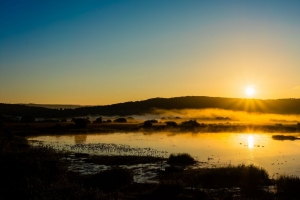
column 216, row 149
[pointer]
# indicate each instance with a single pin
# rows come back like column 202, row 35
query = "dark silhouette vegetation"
column 192, row 123
column 284, row 137
column 171, row 123
column 111, row 179
column 41, row 173
column 181, row 159
column 98, row 120
column 279, row 106
column 149, row 123
column 81, row 122
column 121, row 120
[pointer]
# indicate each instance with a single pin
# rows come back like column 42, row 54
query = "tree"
column 81, row 122
column 98, row 120
column 171, row 123
column 120, row 120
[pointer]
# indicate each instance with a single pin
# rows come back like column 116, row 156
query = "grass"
column 31, row 173
column 288, row 187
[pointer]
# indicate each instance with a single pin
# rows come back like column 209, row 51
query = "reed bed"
column 104, row 149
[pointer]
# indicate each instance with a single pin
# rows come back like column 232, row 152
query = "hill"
column 278, row 106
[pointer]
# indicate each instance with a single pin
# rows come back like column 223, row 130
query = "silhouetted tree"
column 171, row 123
column 98, row 120
column 192, row 123
column 298, row 124
column 120, row 120
column 81, row 122
column 152, row 121
column 147, row 124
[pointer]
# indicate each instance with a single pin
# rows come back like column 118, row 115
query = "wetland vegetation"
column 41, row 172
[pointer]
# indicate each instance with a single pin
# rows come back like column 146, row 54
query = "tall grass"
column 288, row 186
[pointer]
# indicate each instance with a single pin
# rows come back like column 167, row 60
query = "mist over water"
column 234, row 116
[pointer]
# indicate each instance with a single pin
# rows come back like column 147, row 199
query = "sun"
column 250, row 90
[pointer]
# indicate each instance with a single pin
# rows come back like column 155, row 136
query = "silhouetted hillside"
column 279, row 106
column 54, row 106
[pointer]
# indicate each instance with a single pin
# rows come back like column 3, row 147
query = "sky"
column 104, row 52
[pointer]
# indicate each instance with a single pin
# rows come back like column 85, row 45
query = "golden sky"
column 104, row 52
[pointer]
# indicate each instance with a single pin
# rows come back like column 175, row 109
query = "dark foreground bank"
column 41, row 173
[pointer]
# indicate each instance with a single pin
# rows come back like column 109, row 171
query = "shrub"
column 250, row 177
column 192, row 123
column 171, row 123
column 98, row 120
column 148, row 123
column 181, row 159
column 81, row 122
column 152, row 121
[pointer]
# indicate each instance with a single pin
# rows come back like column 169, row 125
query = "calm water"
column 282, row 157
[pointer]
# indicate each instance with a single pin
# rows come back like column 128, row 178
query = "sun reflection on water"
column 250, row 141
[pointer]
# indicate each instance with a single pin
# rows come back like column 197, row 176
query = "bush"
column 192, row 123
column 181, row 159
column 98, row 120
column 250, row 178
column 120, row 120
column 81, row 122
column 148, row 123
column 171, row 123
column 151, row 121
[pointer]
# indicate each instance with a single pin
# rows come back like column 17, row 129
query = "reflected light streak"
column 250, row 141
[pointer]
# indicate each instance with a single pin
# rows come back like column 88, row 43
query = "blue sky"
column 102, row 52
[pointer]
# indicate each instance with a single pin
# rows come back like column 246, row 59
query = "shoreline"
column 61, row 128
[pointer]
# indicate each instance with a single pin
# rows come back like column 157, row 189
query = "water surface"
column 277, row 157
